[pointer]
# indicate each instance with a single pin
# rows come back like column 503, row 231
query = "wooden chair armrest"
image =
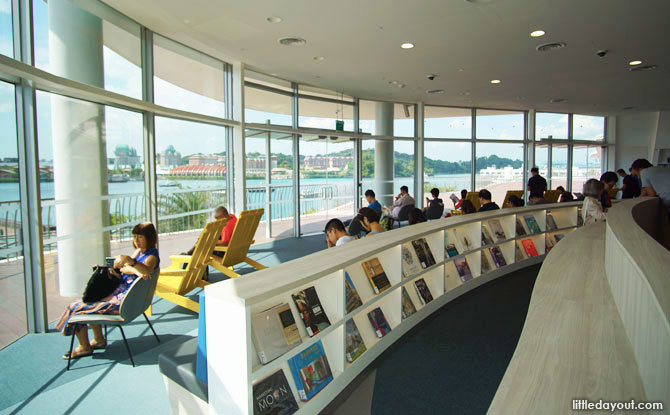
column 221, row 248
column 172, row 273
column 182, row 259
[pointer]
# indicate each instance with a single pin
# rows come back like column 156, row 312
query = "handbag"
column 101, row 284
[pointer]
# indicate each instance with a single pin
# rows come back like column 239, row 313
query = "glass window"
column 403, row 166
column 367, row 168
column 191, row 171
column 586, row 164
column 541, row 159
column 447, row 166
column 444, row 122
column 403, row 120
column 367, row 115
column 499, row 168
column 255, row 158
column 324, row 93
column 549, row 124
column 559, row 166
column 92, row 188
column 587, row 127
column 281, row 201
column 264, row 107
column 117, row 50
column 187, row 80
column 500, row 125
column 6, row 34
column 11, row 244
column 324, row 114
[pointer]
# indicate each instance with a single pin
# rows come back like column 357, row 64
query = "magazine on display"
column 355, row 344
column 379, row 323
column 311, row 311
column 533, row 227
column 486, row 265
column 487, row 239
column 376, row 275
column 422, row 289
column 310, row 370
column 519, row 252
column 352, row 297
column 274, row 332
column 529, row 247
column 410, row 265
column 463, row 269
column 273, row 396
column 498, row 231
column 466, row 244
column 449, row 247
column 520, row 230
column 407, row 305
column 551, row 223
column 498, row 257
column 423, row 252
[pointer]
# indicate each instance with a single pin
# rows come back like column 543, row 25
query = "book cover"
column 551, row 223
column 410, row 265
column 355, row 344
column 487, row 239
column 519, row 252
column 450, row 249
column 273, row 396
column 463, row 269
column 498, row 257
column 274, row 332
column 376, row 275
column 529, row 247
column 407, row 305
column 453, row 197
column 423, row 252
column 486, row 265
column 498, row 231
column 353, row 299
column 532, row 224
column 463, row 239
column 311, row 371
column 311, row 312
column 422, row 289
column 520, row 230
column 379, row 323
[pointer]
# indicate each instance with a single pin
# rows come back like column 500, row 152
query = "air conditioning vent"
column 557, row 100
column 435, row 91
column 545, row 47
column 292, row 41
column 643, row 68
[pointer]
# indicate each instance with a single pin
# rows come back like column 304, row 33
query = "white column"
column 419, row 197
column 384, row 153
column 79, row 150
column 239, row 181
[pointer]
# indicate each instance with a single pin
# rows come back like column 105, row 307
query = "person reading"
column 372, row 202
column 592, row 210
column 336, row 235
column 435, row 192
column 609, row 180
column 140, row 264
column 485, row 201
column 401, row 200
column 369, row 220
column 221, row 213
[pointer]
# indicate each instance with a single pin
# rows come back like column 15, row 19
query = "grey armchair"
column 137, row 300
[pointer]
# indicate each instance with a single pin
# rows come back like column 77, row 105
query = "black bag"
column 101, row 284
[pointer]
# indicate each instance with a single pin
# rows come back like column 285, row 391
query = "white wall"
column 635, row 137
column 662, row 141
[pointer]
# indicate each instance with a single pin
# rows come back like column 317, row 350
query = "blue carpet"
column 453, row 362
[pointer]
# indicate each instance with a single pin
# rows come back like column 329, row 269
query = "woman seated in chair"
column 141, row 264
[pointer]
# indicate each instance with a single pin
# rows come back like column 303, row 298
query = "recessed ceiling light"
column 292, row 41
column 435, row 91
column 634, row 63
column 407, row 45
column 187, row 21
column 273, row 19
column 393, row 82
column 273, row 74
column 537, row 33
column 495, row 81
column 550, row 46
column 401, row 85
column 642, row 68
column 319, row 58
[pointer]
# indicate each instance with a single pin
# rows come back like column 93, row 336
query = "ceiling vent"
column 558, row 100
column 643, row 68
column 435, row 91
column 292, row 41
column 545, row 47
column 629, row 108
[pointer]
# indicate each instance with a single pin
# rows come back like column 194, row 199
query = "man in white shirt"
column 336, row 234
column 402, row 200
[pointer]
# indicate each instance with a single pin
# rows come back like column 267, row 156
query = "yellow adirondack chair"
column 552, row 195
column 238, row 247
column 174, row 282
column 518, row 193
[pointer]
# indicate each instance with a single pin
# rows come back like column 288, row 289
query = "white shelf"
column 233, row 366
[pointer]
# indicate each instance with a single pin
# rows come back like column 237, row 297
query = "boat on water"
column 118, row 178
column 169, row 184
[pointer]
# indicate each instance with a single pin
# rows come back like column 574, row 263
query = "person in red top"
column 227, row 232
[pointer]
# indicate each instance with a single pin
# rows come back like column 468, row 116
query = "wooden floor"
column 573, row 344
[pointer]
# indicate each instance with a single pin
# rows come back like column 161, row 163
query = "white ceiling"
column 465, row 44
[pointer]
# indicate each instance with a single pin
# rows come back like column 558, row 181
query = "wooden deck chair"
column 552, row 195
column 474, row 198
column 174, row 282
column 518, row 193
column 240, row 242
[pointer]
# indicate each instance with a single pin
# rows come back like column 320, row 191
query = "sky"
column 125, row 127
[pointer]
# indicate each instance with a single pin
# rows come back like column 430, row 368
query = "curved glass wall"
column 588, row 127
column 446, row 122
column 499, row 168
column 267, row 106
column 500, row 125
column 6, row 29
column 447, row 167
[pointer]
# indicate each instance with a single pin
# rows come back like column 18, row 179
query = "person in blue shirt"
column 372, row 202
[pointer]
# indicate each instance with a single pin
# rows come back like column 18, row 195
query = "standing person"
column 335, row 233
column 609, row 180
column 655, row 180
column 621, row 173
column 401, row 200
column 592, row 210
column 372, row 202
column 537, row 184
column 630, row 187
column 485, row 201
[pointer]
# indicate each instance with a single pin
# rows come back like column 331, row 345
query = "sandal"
column 99, row 346
column 75, row 355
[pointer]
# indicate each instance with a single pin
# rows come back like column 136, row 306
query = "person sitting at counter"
column 467, row 207
column 592, row 210
column 485, row 201
column 415, row 216
column 335, row 233
column 609, row 179
column 566, row 197
column 655, row 180
column 369, row 220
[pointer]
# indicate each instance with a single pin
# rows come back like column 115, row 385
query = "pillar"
column 79, row 149
column 384, row 153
